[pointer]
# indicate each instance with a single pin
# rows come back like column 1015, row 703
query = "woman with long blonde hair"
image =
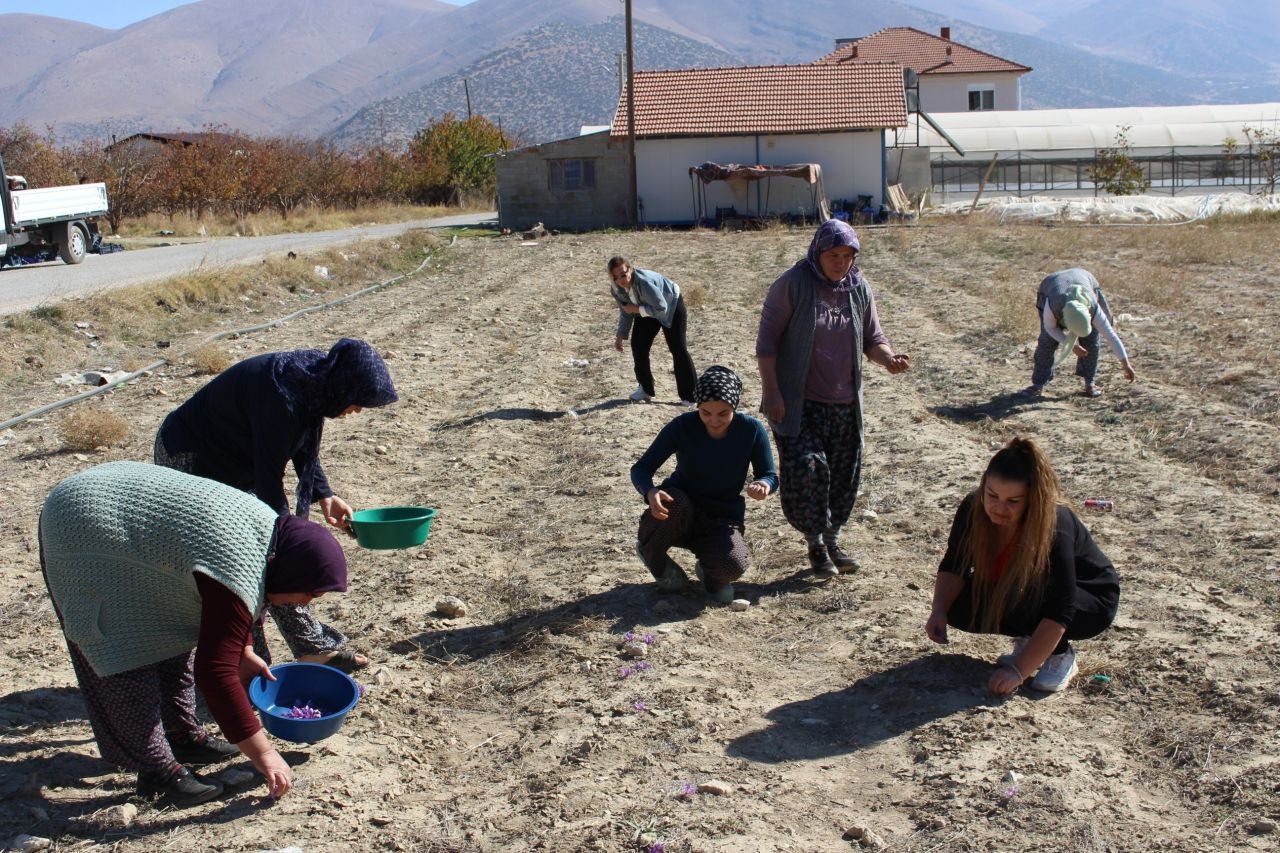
column 1020, row 563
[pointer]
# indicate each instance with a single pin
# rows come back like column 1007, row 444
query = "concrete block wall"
column 525, row 197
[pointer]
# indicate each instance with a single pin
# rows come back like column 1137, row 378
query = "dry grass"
column 130, row 321
column 262, row 224
column 209, row 360
column 91, row 428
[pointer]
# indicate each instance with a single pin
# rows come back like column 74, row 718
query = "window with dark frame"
column 571, row 174
column 982, row 99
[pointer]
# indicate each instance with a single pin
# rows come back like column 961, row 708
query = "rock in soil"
column 714, row 786
column 451, row 606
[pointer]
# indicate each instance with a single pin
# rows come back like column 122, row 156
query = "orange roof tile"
column 925, row 53
column 765, row 99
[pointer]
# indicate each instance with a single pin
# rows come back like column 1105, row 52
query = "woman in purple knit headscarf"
column 818, row 320
column 261, row 415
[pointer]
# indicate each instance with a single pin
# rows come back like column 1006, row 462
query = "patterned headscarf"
column 718, row 383
column 831, row 234
column 316, row 385
column 306, row 558
column 1076, row 320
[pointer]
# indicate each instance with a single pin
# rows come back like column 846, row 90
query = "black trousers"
column 1094, row 614
column 643, row 332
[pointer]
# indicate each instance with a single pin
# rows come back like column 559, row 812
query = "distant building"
column 832, row 116
column 952, row 77
column 150, row 142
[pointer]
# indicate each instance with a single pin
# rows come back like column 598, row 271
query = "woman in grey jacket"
column 648, row 302
column 818, row 321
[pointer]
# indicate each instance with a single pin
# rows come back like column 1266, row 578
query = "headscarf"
column 830, row 235
column 1077, row 320
column 718, row 383
column 306, row 558
column 316, row 385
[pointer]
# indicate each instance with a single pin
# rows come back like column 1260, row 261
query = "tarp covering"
column 1121, row 209
column 708, row 172
column 737, row 177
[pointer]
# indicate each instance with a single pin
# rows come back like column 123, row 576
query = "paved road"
column 23, row 288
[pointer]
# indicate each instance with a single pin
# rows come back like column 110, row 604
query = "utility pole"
column 466, row 87
column 633, row 215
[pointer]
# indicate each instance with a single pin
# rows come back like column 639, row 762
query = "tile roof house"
column 952, row 77
column 833, row 115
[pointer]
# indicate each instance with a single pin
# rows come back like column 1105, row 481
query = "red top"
column 225, row 629
column 1002, row 559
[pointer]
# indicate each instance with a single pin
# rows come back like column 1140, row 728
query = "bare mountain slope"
column 29, row 44
column 212, row 61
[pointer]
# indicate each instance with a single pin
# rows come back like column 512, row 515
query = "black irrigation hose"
column 50, row 407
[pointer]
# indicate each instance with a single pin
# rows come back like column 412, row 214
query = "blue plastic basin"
column 324, row 688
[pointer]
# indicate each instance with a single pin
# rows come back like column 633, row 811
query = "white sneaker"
column 688, row 404
column 641, row 396
column 1057, row 672
column 1018, row 645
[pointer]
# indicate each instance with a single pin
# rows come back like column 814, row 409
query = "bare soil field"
column 821, row 708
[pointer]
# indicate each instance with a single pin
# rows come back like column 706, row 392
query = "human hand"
column 276, row 771
column 899, row 364
column 337, row 512
column 658, row 501
column 251, row 666
column 617, row 342
column 1005, row 680
column 630, row 309
column 758, row 489
column 773, row 407
column 1079, row 350
column 1128, row 373
column 936, row 628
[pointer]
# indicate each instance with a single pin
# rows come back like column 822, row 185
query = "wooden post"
column 983, row 184
column 466, row 87
column 633, row 215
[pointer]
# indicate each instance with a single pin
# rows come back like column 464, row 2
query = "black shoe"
column 178, row 787
column 197, row 753
column 820, row 562
column 845, row 562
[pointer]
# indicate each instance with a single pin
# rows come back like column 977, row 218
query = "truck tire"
column 74, row 245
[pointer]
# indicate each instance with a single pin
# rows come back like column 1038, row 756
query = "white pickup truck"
column 38, row 222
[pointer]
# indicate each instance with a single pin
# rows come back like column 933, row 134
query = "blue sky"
column 112, row 14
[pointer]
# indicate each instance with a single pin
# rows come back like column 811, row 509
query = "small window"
column 571, row 174
column 982, row 99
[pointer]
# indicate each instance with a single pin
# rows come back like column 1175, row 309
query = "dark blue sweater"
column 243, row 434
column 711, row 471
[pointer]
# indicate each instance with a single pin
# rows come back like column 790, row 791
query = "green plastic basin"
column 392, row 526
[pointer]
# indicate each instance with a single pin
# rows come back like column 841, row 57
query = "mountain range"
column 374, row 71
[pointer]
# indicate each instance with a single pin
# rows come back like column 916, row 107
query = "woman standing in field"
column 1073, row 310
column 1020, row 563
column 157, row 577
column 649, row 302
column 255, row 418
column 819, row 319
column 700, row 506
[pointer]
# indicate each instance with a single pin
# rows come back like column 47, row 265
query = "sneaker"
column 179, row 787
column 1092, row 391
column 845, row 563
column 640, row 395
column 1018, row 645
column 1057, row 672
column 687, row 404
column 673, row 578
column 1031, row 391
column 196, row 753
column 820, row 562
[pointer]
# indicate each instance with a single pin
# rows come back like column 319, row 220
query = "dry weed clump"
column 257, row 224
column 89, row 429
column 209, row 360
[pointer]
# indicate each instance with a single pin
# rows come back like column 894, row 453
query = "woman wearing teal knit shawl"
column 157, row 577
column 1074, row 315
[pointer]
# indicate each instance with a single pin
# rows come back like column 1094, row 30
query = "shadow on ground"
column 871, row 710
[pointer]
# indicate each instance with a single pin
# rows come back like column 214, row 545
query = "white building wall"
column 851, row 164
column 949, row 93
